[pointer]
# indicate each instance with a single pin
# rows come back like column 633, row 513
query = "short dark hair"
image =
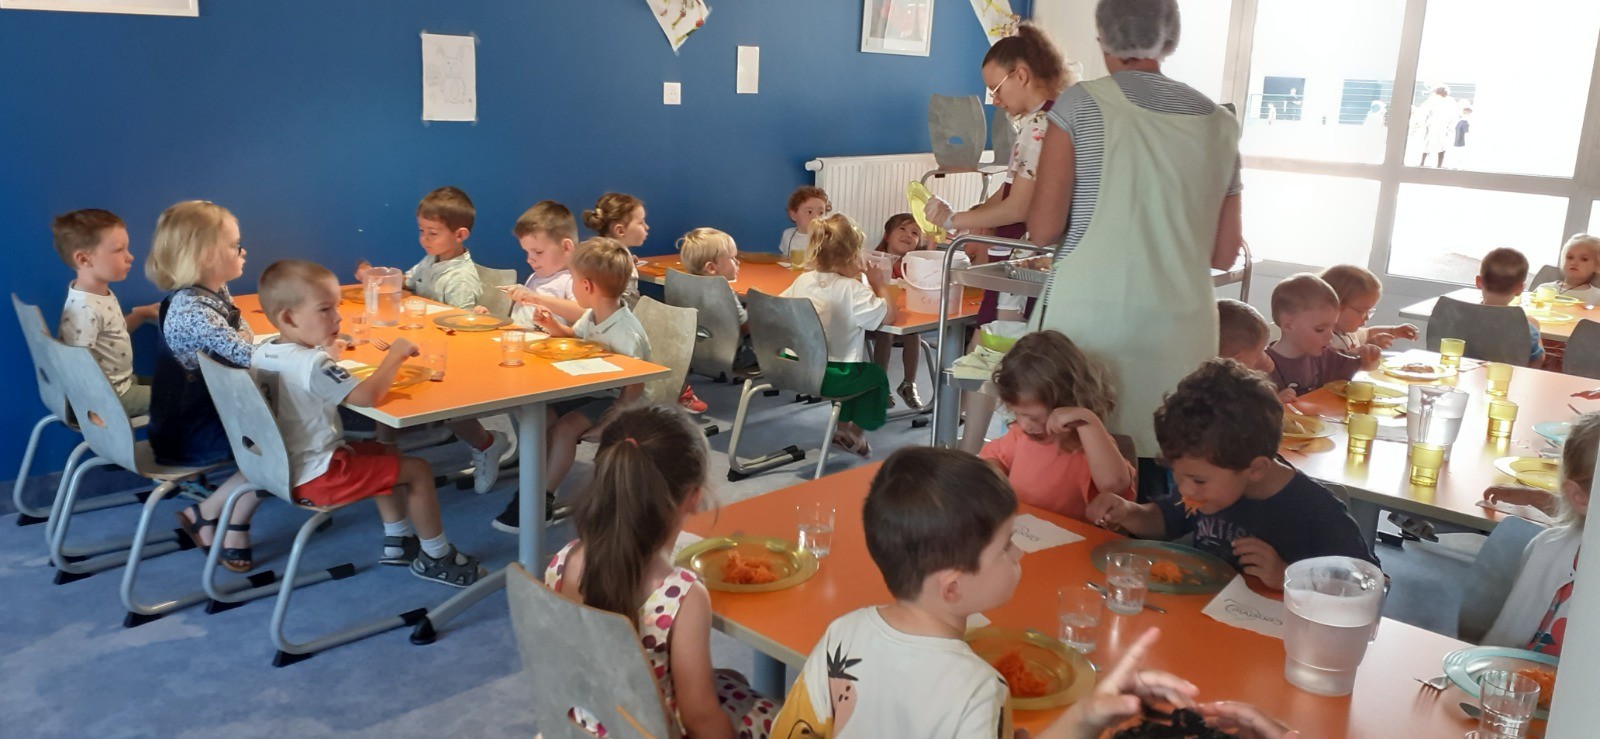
column 80, row 231
column 932, row 509
column 1223, row 413
column 1503, row 269
column 450, row 206
column 1240, row 327
column 286, row 284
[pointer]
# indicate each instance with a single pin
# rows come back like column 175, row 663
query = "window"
column 1282, row 224
column 1594, row 218
column 1442, row 233
column 1203, row 52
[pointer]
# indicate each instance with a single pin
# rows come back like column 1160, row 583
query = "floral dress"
column 751, row 713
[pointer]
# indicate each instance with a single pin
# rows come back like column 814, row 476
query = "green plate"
column 708, row 557
column 1069, row 676
column 1202, row 573
column 1464, row 666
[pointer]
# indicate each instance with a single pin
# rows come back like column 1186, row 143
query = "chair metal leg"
column 827, row 439
column 80, row 563
column 142, row 613
column 93, row 504
column 30, row 514
column 227, row 596
column 738, row 468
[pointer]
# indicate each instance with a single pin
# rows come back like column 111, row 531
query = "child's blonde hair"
column 549, row 218
column 1577, row 461
column 1240, row 328
column 80, row 231
column 188, row 240
column 1047, row 368
column 835, row 243
column 1350, row 282
column 1583, row 241
column 1299, row 293
column 606, row 262
column 703, row 245
column 286, row 284
column 612, row 209
column 450, row 206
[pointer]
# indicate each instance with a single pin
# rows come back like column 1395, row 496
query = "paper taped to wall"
column 679, row 18
column 449, row 78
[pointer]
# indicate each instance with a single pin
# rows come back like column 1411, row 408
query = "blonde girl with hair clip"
column 848, row 308
column 650, row 474
column 1580, row 267
column 1535, row 612
column 1359, row 291
column 195, row 253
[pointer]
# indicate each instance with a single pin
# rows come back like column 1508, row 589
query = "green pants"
column 867, row 410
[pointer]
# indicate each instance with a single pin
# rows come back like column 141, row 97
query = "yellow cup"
column 1499, row 379
column 1362, row 429
column 1357, row 398
column 1450, row 351
column 1502, row 416
column 1543, row 298
column 1426, row 459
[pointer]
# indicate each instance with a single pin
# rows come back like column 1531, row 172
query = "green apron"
column 1136, row 294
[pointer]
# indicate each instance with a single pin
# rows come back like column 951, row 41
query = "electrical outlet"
column 671, row 93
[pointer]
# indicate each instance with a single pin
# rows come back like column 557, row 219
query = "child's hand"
column 149, row 312
column 1518, row 495
column 543, row 317
column 1065, row 420
column 362, row 267
column 1259, row 559
column 1405, row 331
column 937, row 211
column 1107, row 510
column 402, row 347
column 1120, row 693
column 1369, row 356
column 1247, row 721
column 519, row 294
column 1287, row 396
column 480, row 310
column 1380, row 339
column 336, row 348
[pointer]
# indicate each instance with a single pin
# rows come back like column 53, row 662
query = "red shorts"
column 357, row 471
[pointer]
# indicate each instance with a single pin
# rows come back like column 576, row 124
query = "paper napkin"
column 1239, row 606
column 577, row 367
column 1031, row 534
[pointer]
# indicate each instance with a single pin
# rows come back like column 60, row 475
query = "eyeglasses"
column 1369, row 313
column 996, row 89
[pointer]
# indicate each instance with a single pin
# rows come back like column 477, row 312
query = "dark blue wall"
column 304, row 118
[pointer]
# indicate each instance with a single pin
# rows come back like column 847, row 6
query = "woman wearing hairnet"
column 1138, row 182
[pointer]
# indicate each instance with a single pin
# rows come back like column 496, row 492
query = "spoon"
column 1471, row 710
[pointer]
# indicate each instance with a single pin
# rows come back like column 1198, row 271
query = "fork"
column 382, row 345
column 1437, row 684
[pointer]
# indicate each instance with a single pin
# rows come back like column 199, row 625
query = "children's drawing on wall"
column 449, row 78
column 679, row 18
column 189, row 8
column 997, row 19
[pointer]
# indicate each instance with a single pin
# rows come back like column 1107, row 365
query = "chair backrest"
column 101, row 419
column 716, row 335
column 957, row 130
column 615, row 684
column 1002, row 136
column 1493, row 572
column 34, row 332
column 1547, row 273
column 1494, row 333
column 492, row 297
column 787, row 337
column 1583, row 351
column 671, row 334
column 253, row 433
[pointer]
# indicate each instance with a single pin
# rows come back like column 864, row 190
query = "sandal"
column 454, row 568
column 855, row 445
column 191, row 528
column 409, row 546
column 238, row 559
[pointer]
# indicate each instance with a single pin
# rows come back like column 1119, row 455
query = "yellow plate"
column 561, row 350
column 1068, row 675
column 1381, row 394
column 917, row 198
column 1296, row 426
column 471, row 322
column 1567, row 300
column 408, row 375
column 708, row 557
column 1433, row 371
column 1535, row 472
column 357, row 294
column 1550, row 316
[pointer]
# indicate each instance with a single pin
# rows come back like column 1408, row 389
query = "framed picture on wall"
column 189, row 8
column 897, row 26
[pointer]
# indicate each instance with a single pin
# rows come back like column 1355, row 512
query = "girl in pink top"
column 1057, row 454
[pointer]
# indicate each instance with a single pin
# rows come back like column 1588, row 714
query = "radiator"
column 869, row 189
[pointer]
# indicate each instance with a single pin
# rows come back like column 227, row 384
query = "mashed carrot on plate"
column 1022, row 679
column 1545, row 677
column 1166, row 571
column 741, row 570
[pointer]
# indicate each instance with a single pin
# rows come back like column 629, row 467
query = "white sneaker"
column 486, row 462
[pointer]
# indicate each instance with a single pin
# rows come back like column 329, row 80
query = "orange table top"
column 1225, row 662
column 475, row 383
column 1558, row 331
column 1383, row 476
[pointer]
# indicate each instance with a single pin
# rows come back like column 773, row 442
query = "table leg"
column 947, row 408
column 1365, row 512
column 768, row 677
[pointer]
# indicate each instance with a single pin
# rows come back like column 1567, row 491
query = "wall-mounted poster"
column 449, row 78
column 189, row 8
column 897, row 26
column 679, row 18
column 997, row 19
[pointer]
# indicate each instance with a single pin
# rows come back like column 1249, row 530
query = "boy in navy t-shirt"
column 1220, row 432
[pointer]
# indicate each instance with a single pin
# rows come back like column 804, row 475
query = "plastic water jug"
column 382, row 286
column 1332, row 604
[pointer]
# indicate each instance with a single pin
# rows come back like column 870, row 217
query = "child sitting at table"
column 938, row 526
column 1580, row 261
column 649, row 475
column 1306, row 310
column 1242, row 335
column 1501, row 277
column 1535, row 612
column 620, row 216
column 806, row 204
column 1359, row 291
column 94, row 243
column 302, row 380
column 547, row 233
column 600, row 268
column 901, row 236
column 1057, row 454
column 848, row 308
column 1220, row 431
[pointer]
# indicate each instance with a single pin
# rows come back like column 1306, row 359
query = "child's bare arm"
column 372, row 389
column 1111, row 511
column 891, row 312
column 1519, row 495
column 689, row 657
column 544, row 319
column 140, row 314
column 1370, row 355
column 1107, row 466
column 568, row 310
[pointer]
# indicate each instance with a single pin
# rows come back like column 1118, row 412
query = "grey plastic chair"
column 957, row 130
column 789, row 344
column 259, row 451
column 1582, row 356
column 54, row 397
column 1494, row 333
column 717, row 332
column 1547, row 273
column 1493, row 573
column 669, row 330
column 615, row 685
column 109, row 434
column 492, row 297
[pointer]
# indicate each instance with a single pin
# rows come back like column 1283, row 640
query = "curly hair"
column 807, row 192
column 1032, row 47
column 1047, row 368
column 835, row 243
column 1223, row 413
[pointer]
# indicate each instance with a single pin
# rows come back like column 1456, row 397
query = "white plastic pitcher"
column 1443, row 419
column 382, row 286
column 1332, row 604
column 923, row 273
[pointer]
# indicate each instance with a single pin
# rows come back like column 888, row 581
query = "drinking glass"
column 1127, row 579
column 433, row 358
column 1078, row 610
column 511, row 346
column 1426, row 459
column 1507, row 701
column 1357, row 398
column 1499, row 379
column 416, row 308
column 1543, row 298
column 1502, row 416
column 1450, row 351
column 815, row 524
column 1362, row 429
column 360, row 330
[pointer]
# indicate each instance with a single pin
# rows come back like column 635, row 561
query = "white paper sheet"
column 576, row 367
column 747, row 74
column 432, row 309
column 449, row 78
column 1032, row 534
column 1238, row 606
column 679, row 18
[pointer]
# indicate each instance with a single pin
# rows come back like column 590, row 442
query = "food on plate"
column 1167, row 571
column 1546, row 678
column 1418, row 367
column 742, row 570
column 1297, row 425
column 1022, row 679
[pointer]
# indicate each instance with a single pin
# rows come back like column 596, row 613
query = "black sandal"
column 192, row 529
column 240, row 559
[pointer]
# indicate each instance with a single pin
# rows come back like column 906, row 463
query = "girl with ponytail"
column 649, row 475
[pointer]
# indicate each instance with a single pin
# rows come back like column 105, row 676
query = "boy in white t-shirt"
column 546, row 232
column 94, row 243
column 300, row 376
column 806, row 204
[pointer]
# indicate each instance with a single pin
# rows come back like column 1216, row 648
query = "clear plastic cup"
column 1078, row 612
column 1507, row 702
column 360, row 330
column 1499, row 379
column 1127, row 580
column 433, row 358
column 1502, row 417
column 814, row 525
column 511, row 345
column 1426, row 459
column 1450, row 351
column 1362, row 429
column 415, row 309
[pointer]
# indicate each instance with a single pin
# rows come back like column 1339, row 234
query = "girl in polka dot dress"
column 649, row 476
